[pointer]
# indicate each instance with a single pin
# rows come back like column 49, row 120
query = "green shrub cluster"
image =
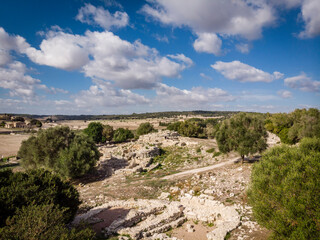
column 35, row 187
column 243, row 133
column 145, row 128
column 99, row 133
column 285, row 190
column 294, row 126
column 41, row 222
column 59, row 149
column 122, row 135
column 37, row 205
column 195, row 127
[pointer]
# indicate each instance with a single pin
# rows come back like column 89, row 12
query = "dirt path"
column 198, row 170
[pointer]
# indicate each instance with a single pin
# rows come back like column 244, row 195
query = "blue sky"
column 110, row 57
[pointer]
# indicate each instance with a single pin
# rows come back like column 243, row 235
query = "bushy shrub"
column 294, row 126
column 41, row 222
column 94, row 130
column 36, row 187
column 107, row 133
column 145, row 128
column 35, row 122
column 61, row 150
column 242, row 133
column 122, row 135
column 285, row 190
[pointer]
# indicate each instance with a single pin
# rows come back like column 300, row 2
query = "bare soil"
column 10, row 144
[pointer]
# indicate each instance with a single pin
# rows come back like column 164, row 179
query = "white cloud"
column 303, row 83
column 243, row 47
column 197, row 97
column 208, row 42
column 103, row 94
column 310, row 13
column 242, row 72
column 9, row 43
column 205, row 76
column 161, row 38
column 97, row 15
column 285, row 94
column 14, row 78
column 106, row 56
column 60, row 50
column 244, row 18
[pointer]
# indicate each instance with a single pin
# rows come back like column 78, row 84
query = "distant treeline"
column 131, row 116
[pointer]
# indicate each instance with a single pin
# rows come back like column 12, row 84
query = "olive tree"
column 285, row 190
column 242, row 133
column 61, row 150
column 36, row 187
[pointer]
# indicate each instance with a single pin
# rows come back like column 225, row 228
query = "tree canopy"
column 122, row 135
column 242, row 133
column 294, row 126
column 145, row 128
column 285, row 190
column 59, row 149
column 35, row 187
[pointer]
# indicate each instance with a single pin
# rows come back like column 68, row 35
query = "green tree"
column 61, row 150
column 242, row 133
column 41, row 222
column 122, row 135
column 35, row 122
column 145, row 128
column 94, row 130
column 107, row 133
column 36, row 187
column 285, row 190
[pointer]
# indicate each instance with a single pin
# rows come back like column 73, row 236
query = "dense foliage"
column 35, row 122
column 41, row 222
column 285, row 190
column 98, row 132
column 122, row 135
column 107, row 133
column 94, row 130
column 195, row 127
column 61, row 150
column 243, row 133
column 292, row 127
column 145, row 128
column 36, row 187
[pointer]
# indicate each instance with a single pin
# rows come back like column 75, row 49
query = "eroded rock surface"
column 147, row 218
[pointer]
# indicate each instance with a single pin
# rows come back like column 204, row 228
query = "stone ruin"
column 137, row 156
column 147, row 219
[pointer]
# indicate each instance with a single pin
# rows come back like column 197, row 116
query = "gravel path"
column 198, row 170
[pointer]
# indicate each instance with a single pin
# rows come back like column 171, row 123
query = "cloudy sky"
column 112, row 56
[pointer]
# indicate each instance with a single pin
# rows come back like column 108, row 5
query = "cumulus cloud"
column 244, row 18
column 310, row 14
column 242, row 72
column 285, row 94
column 14, row 78
column 103, row 94
column 197, row 97
column 208, row 42
column 303, row 83
column 60, row 50
column 9, row 43
column 99, row 16
column 106, row 56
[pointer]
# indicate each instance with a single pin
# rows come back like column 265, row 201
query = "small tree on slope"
column 242, row 133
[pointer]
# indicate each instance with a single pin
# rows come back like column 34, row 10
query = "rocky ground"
column 131, row 197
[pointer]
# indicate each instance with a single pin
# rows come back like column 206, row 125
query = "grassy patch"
column 211, row 150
